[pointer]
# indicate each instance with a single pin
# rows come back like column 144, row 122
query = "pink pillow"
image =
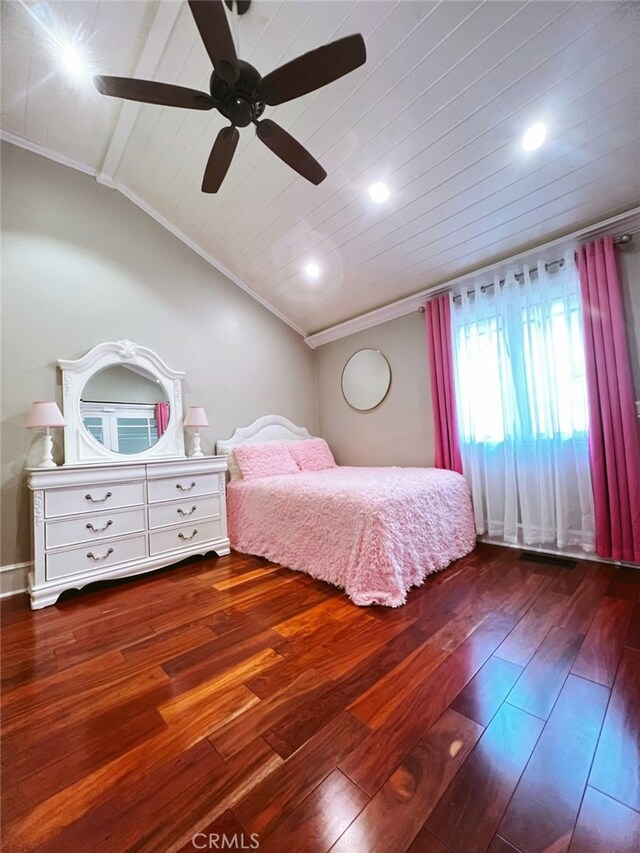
column 264, row 460
column 312, row 454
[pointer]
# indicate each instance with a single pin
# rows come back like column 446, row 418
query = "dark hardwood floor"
column 499, row 710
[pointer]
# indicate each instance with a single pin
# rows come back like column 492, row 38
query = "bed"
column 373, row 532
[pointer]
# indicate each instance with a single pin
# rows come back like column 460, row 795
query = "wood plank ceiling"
column 437, row 113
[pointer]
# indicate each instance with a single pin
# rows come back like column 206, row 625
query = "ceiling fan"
column 240, row 93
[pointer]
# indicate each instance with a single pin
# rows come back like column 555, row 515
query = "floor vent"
column 548, row 559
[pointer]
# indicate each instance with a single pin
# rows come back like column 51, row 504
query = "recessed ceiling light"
column 534, row 137
column 72, row 60
column 379, row 192
column 312, row 271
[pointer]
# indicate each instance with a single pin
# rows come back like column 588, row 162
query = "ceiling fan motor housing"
column 238, row 101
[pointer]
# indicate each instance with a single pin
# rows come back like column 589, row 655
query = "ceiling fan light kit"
column 240, row 93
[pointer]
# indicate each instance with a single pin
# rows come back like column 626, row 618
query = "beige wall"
column 80, row 265
column 400, row 430
column 630, row 270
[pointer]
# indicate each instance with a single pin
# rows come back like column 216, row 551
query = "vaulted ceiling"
column 437, row 112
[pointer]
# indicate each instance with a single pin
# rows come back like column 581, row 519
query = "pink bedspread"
column 374, row 532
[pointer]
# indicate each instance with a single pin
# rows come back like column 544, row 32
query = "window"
column 522, row 407
column 122, row 427
column 520, row 367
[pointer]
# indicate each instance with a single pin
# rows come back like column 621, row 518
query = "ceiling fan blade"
column 150, row 92
column 313, row 70
column 288, row 149
column 220, row 159
column 213, row 26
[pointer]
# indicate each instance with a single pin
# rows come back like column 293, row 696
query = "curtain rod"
column 622, row 240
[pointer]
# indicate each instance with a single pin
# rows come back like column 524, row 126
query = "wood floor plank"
column 372, row 762
column 239, row 730
column 320, row 819
column 270, row 802
column 469, row 811
column 173, row 802
column 487, row 690
column 625, row 584
column 424, row 842
column 600, row 653
column 632, row 639
column 615, row 766
column 160, row 648
column 544, row 808
column 374, row 705
column 605, row 826
column 582, row 605
column 206, row 693
column 519, row 590
column 397, row 812
column 499, row 845
column 524, row 640
column 287, row 735
column 539, row 685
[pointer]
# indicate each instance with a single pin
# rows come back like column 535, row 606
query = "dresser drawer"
column 93, row 498
column 176, row 488
column 184, row 537
column 75, row 561
column 165, row 514
column 93, row 528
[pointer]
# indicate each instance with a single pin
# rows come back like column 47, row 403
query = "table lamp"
column 195, row 419
column 46, row 415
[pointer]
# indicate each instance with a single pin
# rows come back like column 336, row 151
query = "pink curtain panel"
column 614, row 437
column 162, row 417
column 440, row 349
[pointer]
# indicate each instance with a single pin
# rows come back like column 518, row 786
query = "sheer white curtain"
column 522, row 407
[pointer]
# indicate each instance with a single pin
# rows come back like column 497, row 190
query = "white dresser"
column 95, row 522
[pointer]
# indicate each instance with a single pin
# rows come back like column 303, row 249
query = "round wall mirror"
column 366, row 379
column 124, row 408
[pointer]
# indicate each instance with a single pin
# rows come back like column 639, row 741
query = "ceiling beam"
column 155, row 45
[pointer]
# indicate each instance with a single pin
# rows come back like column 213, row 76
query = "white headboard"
column 268, row 428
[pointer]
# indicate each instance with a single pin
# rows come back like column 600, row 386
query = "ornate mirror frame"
column 80, row 447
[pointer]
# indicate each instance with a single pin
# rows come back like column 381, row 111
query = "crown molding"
column 21, row 142
column 628, row 222
column 107, row 181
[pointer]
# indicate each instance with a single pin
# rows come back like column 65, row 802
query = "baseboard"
column 574, row 553
column 13, row 579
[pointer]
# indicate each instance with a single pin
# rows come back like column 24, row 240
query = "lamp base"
column 196, row 450
column 47, row 454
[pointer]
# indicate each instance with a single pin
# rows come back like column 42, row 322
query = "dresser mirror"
column 124, row 408
column 366, row 379
column 121, row 402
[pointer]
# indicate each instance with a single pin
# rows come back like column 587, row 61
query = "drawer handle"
column 181, row 488
column 104, row 556
column 186, row 538
column 99, row 529
column 98, row 500
column 184, row 512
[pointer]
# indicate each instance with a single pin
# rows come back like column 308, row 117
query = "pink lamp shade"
column 45, row 413
column 196, row 418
